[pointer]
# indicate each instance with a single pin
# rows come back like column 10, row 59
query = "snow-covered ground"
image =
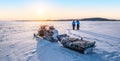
column 17, row 42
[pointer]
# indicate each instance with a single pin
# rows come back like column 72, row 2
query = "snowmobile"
column 76, row 44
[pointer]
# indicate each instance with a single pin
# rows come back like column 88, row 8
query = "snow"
column 17, row 42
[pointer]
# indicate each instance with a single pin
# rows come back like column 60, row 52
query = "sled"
column 76, row 44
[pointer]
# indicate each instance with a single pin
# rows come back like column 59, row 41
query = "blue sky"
column 53, row 9
column 104, row 4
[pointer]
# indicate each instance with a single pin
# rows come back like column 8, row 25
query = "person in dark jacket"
column 73, row 24
column 78, row 24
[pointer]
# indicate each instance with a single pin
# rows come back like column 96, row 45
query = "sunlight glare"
column 40, row 12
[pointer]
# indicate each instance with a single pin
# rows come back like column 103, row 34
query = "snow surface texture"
column 17, row 42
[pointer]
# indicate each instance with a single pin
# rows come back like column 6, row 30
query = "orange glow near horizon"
column 40, row 14
column 49, row 10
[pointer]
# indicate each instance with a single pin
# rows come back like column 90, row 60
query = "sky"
column 58, row 9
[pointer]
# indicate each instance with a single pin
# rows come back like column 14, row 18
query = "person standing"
column 78, row 24
column 73, row 24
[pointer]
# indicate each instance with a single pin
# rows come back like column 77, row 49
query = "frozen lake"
column 17, row 43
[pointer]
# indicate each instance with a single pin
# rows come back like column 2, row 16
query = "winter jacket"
column 78, row 22
column 73, row 23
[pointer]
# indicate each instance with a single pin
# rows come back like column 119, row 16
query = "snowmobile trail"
column 100, row 35
column 103, row 38
column 71, row 34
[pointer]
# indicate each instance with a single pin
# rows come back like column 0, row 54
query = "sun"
column 40, row 11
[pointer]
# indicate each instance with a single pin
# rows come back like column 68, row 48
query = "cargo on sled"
column 48, row 33
column 76, row 44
